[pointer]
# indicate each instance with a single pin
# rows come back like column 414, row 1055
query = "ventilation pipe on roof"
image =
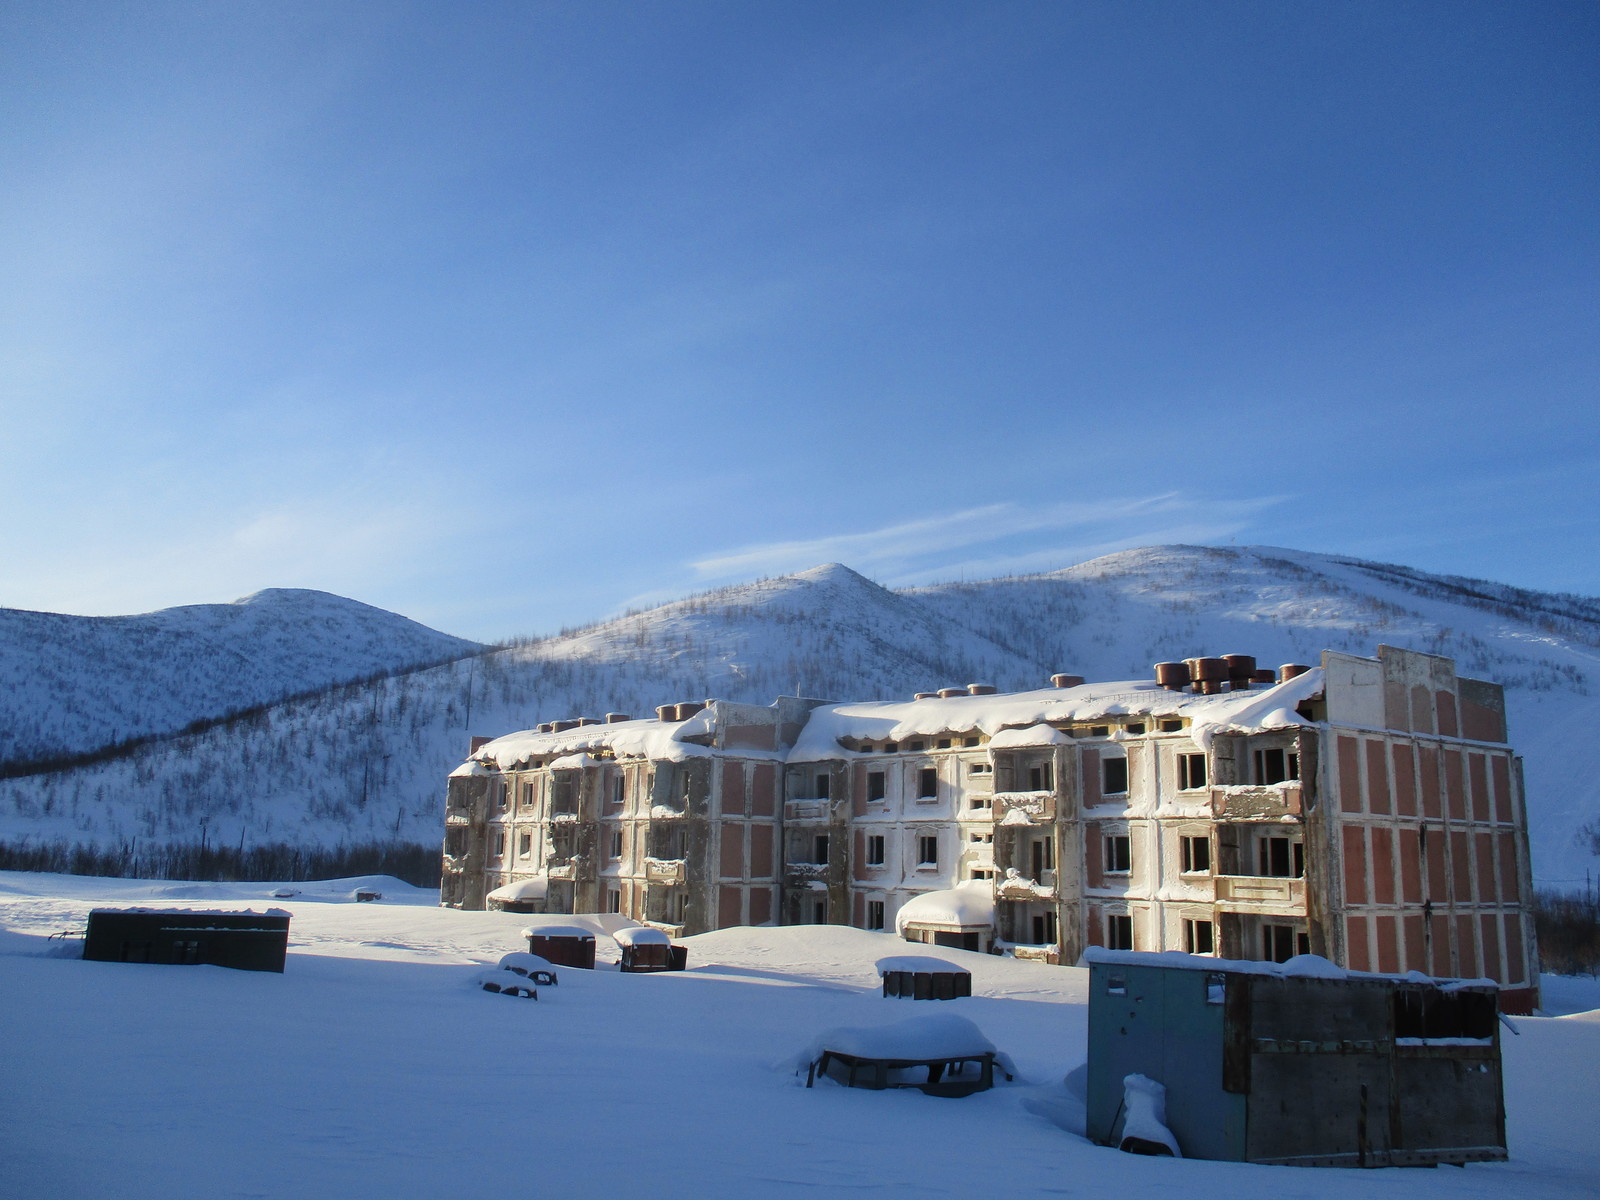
column 1066, row 681
column 980, row 689
column 1174, row 676
column 1289, row 670
column 547, row 727
column 947, row 693
column 1241, row 667
column 478, row 743
column 1208, row 674
column 926, row 696
column 562, row 726
column 666, row 712
column 617, row 718
column 1264, row 676
column 688, row 709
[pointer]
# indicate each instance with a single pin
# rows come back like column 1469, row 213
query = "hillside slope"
column 74, row 684
column 361, row 762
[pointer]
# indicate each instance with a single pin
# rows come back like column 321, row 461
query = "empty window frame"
column 1191, row 771
column 564, row 794
column 980, row 768
column 499, row 844
column 874, row 914
column 616, row 846
column 1281, row 857
column 1171, row 726
column 1041, row 856
column 875, row 850
column 1113, row 776
column 1199, row 937
column 927, row 784
column 876, row 784
column 980, row 802
column 1040, row 778
column 891, row 747
column 1194, row 854
column 524, row 844
column 1044, row 929
column 819, row 848
column 819, row 912
column 821, row 786
column 1119, row 931
column 928, row 850
column 1118, row 854
column 613, row 900
column 1276, row 765
column 1280, row 943
column 619, row 790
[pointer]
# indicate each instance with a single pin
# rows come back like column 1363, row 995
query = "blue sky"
column 507, row 315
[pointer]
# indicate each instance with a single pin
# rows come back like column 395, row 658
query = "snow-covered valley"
column 373, row 1068
column 366, row 762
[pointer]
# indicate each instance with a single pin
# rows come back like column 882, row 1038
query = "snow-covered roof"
column 968, row 905
column 526, row 961
column 1016, row 717
column 197, row 912
column 641, row 935
column 1301, row 966
column 1009, row 719
column 523, row 889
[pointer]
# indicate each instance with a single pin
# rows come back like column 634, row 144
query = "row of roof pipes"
column 1206, row 676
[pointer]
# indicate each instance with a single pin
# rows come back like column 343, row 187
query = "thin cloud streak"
column 923, row 549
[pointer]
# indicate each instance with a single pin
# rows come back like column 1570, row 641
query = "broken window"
column 891, row 747
column 876, row 785
column 927, row 784
column 1281, row 857
column 942, row 744
column 1039, row 778
column 819, row 848
column 1119, row 931
column 1042, row 856
column 875, row 850
column 819, row 912
column 928, row 850
column 619, row 787
column 1196, row 855
column 564, row 797
column 1118, row 854
column 613, row 900
column 1113, row 776
column 1191, row 771
column 874, row 914
column 1280, row 943
column 1171, row 726
column 524, row 844
column 1276, row 765
column 919, row 745
column 1135, row 727
column 499, row 844
column 1199, row 937
column 969, row 741
column 820, row 791
column 980, row 802
column 616, row 846
column 980, row 768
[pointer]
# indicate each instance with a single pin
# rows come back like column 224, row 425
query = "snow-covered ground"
column 372, row 1068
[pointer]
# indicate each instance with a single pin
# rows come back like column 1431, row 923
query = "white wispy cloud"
column 998, row 538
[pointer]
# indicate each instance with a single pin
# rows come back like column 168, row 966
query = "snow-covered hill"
column 366, row 762
column 71, row 685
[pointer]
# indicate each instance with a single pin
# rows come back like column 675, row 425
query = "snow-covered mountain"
column 367, row 761
column 72, row 685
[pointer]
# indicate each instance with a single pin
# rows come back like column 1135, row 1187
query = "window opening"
column 1276, row 765
column 819, row 848
column 1191, row 771
column 1196, row 855
column 875, row 850
column 1199, row 937
column 928, row 850
column 1114, row 776
column 927, row 784
column 1119, row 931
column 874, row 914
column 1118, row 854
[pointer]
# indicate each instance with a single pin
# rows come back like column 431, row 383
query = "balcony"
column 565, row 867
column 664, row 870
column 458, row 818
column 805, row 874
column 1024, row 808
column 1272, row 802
column 805, row 810
column 1015, row 886
column 1255, row 891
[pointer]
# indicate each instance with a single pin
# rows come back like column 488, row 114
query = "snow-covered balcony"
column 1243, row 893
column 564, row 866
column 664, row 870
column 1257, row 802
column 1024, row 808
column 1016, row 886
column 803, row 873
column 805, row 810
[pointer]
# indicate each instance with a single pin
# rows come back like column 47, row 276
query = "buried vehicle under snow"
column 1301, row 1063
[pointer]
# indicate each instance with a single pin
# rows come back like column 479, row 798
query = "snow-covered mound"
column 69, row 685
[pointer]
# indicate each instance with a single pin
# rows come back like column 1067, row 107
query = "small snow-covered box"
column 1300, row 1063
column 645, row 949
column 939, row 1055
column 247, row 941
column 563, row 945
column 530, row 966
column 914, row 977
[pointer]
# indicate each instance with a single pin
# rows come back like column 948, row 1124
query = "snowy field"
column 372, row 1068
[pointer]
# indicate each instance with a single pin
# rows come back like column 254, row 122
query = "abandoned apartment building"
column 1368, row 810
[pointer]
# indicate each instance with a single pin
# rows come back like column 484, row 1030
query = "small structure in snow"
column 508, row 983
column 523, row 896
column 1300, row 1063
column 961, row 918
column 564, row 945
column 941, row 1055
column 248, row 941
column 366, row 894
column 645, row 949
column 531, row 966
column 912, row 977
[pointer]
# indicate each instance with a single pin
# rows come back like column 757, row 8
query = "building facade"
column 1369, row 810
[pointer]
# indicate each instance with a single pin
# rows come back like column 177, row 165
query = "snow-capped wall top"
column 625, row 739
column 1301, row 966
